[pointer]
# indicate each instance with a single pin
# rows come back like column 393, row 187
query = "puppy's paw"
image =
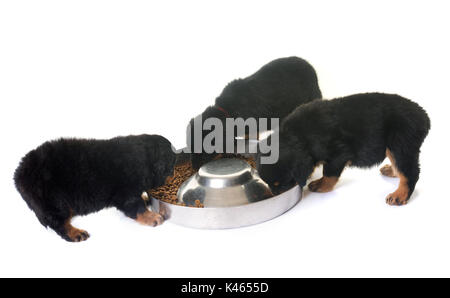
column 315, row 185
column 388, row 171
column 397, row 198
column 324, row 184
column 150, row 218
column 76, row 235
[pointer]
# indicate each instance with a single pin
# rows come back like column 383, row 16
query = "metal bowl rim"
column 228, row 207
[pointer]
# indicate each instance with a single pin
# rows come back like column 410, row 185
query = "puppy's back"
column 274, row 90
column 360, row 114
column 80, row 169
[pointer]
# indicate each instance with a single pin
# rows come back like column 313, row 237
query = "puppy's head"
column 279, row 176
column 196, row 133
column 294, row 166
column 161, row 155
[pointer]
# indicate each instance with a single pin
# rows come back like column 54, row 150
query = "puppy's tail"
column 423, row 123
column 408, row 128
column 29, row 185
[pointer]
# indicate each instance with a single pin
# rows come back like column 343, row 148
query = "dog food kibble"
column 168, row 191
column 182, row 172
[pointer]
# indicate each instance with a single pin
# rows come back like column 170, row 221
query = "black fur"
column 274, row 91
column 357, row 129
column 69, row 177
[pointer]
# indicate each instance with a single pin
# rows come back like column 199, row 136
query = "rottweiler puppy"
column 68, row 177
column 273, row 91
column 358, row 130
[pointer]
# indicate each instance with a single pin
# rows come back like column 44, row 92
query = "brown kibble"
column 182, row 172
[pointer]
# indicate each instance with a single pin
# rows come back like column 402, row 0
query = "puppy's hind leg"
column 331, row 173
column 136, row 209
column 57, row 218
column 388, row 170
column 406, row 165
column 74, row 234
column 61, row 224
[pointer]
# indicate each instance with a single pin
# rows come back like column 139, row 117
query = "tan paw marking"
column 388, row 170
column 324, row 184
column 77, row 235
column 150, row 218
column 73, row 234
column 397, row 198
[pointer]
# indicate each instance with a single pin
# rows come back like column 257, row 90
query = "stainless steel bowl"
column 233, row 195
column 224, row 183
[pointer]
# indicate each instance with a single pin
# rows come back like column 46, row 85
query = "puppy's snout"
column 278, row 187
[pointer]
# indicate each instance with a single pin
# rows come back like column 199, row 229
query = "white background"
column 99, row 69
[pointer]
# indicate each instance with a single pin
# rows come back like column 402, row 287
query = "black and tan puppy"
column 358, row 130
column 273, row 91
column 69, row 177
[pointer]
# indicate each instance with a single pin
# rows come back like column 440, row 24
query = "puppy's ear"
column 303, row 168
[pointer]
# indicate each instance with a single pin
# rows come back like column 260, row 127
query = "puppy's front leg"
column 331, row 173
column 150, row 218
column 324, row 184
column 303, row 168
column 136, row 209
